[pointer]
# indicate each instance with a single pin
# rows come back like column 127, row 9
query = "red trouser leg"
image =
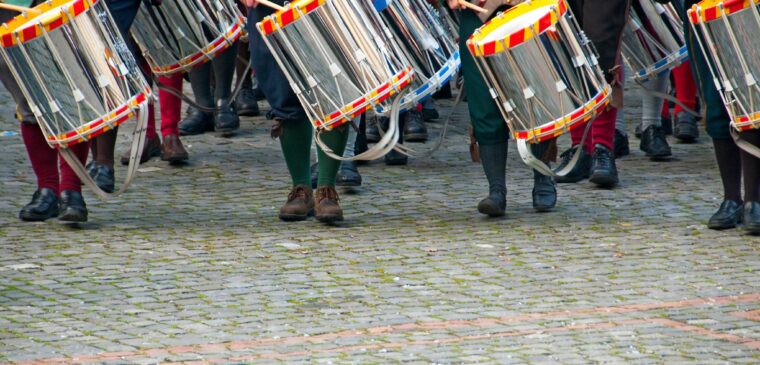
column 150, row 131
column 686, row 87
column 171, row 105
column 602, row 131
column 69, row 179
column 43, row 158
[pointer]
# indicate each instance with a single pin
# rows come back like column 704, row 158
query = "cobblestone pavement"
column 192, row 265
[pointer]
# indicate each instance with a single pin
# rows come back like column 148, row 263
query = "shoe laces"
column 567, row 155
column 327, row 192
column 299, row 191
column 603, row 156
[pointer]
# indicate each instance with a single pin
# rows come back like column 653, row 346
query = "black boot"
column 103, row 176
column 73, row 208
column 686, row 127
column 622, row 147
column 667, row 126
column 44, row 205
column 372, row 133
column 603, row 170
column 654, row 143
column 197, row 122
column 246, row 104
column 494, row 161
column 582, row 169
column 226, row 120
column 752, row 217
column 544, row 189
column 728, row 215
column 415, row 130
column 348, row 175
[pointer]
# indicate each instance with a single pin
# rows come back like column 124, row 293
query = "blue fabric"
column 380, row 5
column 272, row 81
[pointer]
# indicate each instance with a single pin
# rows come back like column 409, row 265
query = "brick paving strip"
column 480, row 323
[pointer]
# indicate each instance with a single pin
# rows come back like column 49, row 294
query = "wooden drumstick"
column 271, row 5
column 20, row 9
column 472, row 6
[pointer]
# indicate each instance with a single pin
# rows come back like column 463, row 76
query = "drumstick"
column 20, row 9
column 472, row 6
column 271, row 5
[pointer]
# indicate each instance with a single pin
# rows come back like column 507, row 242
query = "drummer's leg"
column 226, row 119
column 686, row 128
column 73, row 208
column 172, row 149
column 294, row 129
column 43, row 159
column 653, row 140
column 487, row 122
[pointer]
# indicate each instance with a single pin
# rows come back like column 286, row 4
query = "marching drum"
column 181, row 34
column 729, row 39
column 542, row 71
column 427, row 42
column 77, row 75
column 335, row 59
column 653, row 41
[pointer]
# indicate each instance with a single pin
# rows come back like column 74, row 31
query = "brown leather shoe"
column 300, row 204
column 151, row 148
column 172, row 149
column 327, row 208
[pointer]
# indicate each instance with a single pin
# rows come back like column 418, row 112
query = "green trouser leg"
column 328, row 167
column 487, row 121
column 296, row 147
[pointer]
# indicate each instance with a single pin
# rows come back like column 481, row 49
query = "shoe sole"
column 71, row 219
column 491, row 211
column 603, row 181
column 660, row 157
column 329, row 218
column 175, row 160
column 293, row 217
column 396, row 163
column 226, row 133
column 560, row 180
column 37, row 218
column 415, row 137
column 686, row 138
column 752, row 229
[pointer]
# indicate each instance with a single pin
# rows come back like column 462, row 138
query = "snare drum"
column 74, row 69
column 181, row 34
column 335, row 58
column 427, row 42
column 729, row 37
column 541, row 70
column 78, row 76
column 653, row 41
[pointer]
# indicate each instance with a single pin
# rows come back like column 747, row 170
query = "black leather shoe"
column 73, row 208
column 314, row 175
column 415, row 130
column 197, row 122
column 44, row 205
column 544, row 193
column 752, row 217
column 226, row 120
column 667, row 126
column 728, row 215
column 348, row 175
column 603, row 170
column 90, row 167
column 637, row 131
column 495, row 205
column 258, row 94
column 622, row 147
column 654, row 143
column 103, row 176
column 686, row 127
column 582, row 168
column 396, row 158
column 373, row 134
column 246, row 104
column 429, row 114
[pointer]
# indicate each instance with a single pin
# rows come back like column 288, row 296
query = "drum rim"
column 196, row 59
column 100, row 125
column 292, row 12
column 399, row 81
column 20, row 29
column 706, row 11
column 577, row 117
column 479, row 48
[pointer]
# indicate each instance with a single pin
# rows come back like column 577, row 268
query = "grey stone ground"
column 192, row 264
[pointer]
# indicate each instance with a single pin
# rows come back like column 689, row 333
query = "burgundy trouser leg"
column 44, row 159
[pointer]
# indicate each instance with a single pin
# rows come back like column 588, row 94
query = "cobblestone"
column 192, row 266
